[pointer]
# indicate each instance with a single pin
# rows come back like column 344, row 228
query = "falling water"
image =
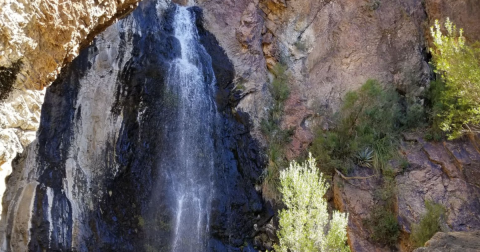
column 190, row 83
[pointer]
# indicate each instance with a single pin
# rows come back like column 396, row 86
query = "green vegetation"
column 373, row 5
column 364, row 133
column 276, row 137
column 384, row 225
column 429, row 224
column 301, row 45
column 141, row 221
column 456, row 97
column 383, row 222
column 304, row 221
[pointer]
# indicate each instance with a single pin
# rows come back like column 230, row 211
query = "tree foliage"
column 304, row 221
column 457, row 105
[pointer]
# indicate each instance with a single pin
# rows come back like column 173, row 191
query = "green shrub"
column 279, row 88
column 456, row 99
column 383, row 222
column 304, row 221
column 276, row 137
column 385, row 228
column 369, row 118
column 415, row 115
column 429, row 224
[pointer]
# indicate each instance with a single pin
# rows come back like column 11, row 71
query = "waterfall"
column 138, row 147
column 190, row 132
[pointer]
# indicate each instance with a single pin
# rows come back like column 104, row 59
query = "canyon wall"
column 330, row 47
column 97, row 177
column 37, row 38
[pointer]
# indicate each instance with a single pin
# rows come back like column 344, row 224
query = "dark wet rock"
column 90, row 176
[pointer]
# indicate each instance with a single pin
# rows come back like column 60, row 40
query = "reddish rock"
column 463, row 13
column 433, row 175
column 438, row 154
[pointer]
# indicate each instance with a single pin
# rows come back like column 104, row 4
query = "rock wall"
column 37, row 38
column 453, row 242
column 46, row 34
column 445, row 173
column 86, row 183
column 463, row 13
column 330, row 46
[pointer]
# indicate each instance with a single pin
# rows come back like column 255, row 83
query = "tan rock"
column 453, row 242
column 438, row 154
column 46, row 34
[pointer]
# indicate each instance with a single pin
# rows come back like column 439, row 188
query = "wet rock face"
column 86, row 183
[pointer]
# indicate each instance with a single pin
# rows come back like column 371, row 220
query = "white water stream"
column 190, row 165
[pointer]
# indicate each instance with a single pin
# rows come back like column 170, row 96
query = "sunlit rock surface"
column 93, row 179
column 453, row 242
column 46, row 34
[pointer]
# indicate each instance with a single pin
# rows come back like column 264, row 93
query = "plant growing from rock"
column 456, row 105
column 383, row 223
column 304, row 221
column 365, row 158
column 429, row 224
column 365, row 130
column 276, row 137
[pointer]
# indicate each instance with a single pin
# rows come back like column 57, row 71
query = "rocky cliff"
column 94, row 180
column 37, row 38
column 453, row 241
column 330, row 47
column 446, row 173
column 42, row 36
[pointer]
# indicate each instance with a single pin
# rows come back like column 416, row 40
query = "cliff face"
column 37, row 38
column 44, row 35
column 330, row 47
column 446, row 173
column 94, row 180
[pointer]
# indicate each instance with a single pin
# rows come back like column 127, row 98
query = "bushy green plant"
column 276, row 136
column 383, row 222
column 415, row 115
column 279, row 88
column 369, row 118
column 430, row 224
column 304, row 221
column 384, row 225
column 457, row 96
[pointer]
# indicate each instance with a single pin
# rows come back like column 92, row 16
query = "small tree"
column 305, row 221
column 458, row 104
